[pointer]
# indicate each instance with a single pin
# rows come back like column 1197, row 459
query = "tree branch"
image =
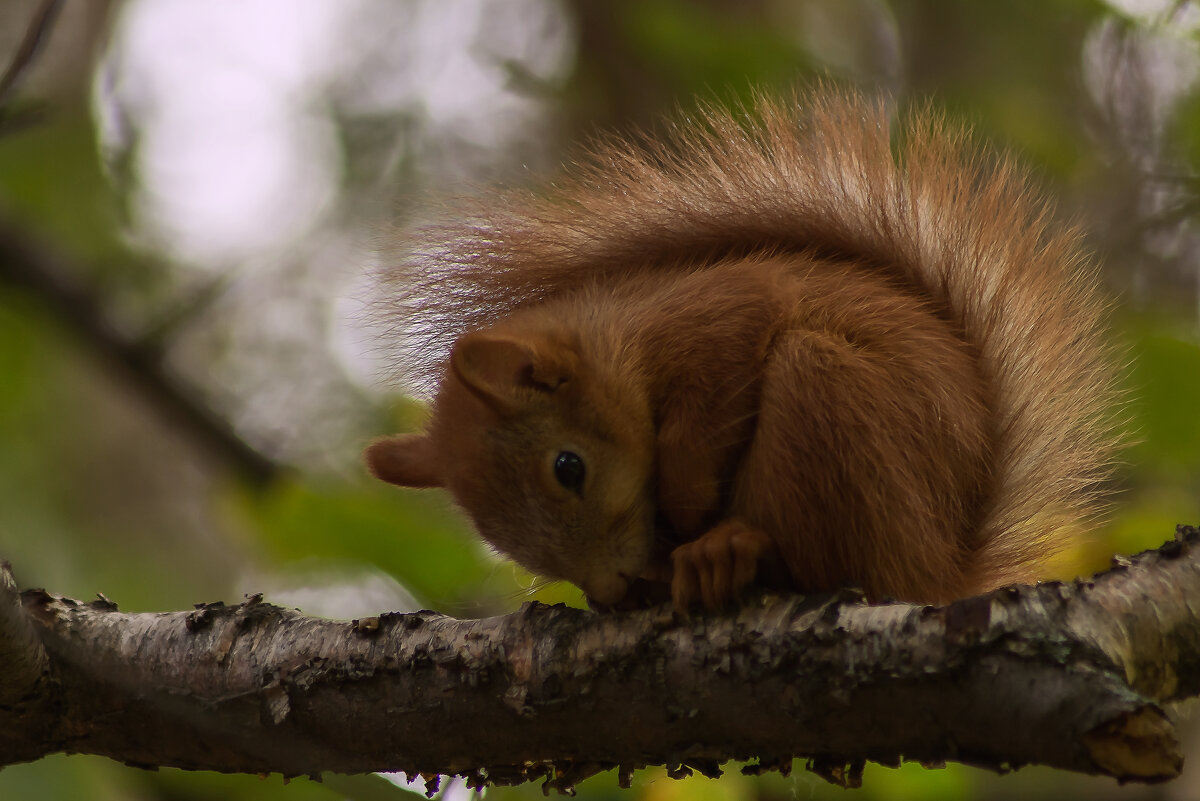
column 31, row 44
column 1066, row 675
column 23, row 661
column 38, row 269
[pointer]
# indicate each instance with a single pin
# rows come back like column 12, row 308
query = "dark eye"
column 568, row 469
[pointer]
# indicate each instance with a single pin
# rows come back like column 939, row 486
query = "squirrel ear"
column 407, row 460
column 495, row 366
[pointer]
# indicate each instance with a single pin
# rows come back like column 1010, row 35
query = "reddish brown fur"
column 773, row 342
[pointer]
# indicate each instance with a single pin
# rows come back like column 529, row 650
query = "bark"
column 1068, row 675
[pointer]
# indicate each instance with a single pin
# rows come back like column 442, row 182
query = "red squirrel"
column 796, row 345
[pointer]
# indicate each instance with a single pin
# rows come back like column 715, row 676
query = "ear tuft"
column 407, row 460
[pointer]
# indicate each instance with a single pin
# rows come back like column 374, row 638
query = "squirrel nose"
column 606, row 589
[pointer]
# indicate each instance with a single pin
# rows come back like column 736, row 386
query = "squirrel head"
column 545, row 449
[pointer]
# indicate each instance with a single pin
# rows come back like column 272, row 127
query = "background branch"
column 1066, row 675
column 38, row 269
column 35, row 37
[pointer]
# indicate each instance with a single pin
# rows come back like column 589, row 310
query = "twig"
column 35, row 37
column 35, row 267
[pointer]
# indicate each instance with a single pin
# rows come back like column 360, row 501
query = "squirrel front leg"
column 717, row 566
column 689, row 468
column 718, row 558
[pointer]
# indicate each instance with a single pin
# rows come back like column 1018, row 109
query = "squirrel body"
column 769, row 349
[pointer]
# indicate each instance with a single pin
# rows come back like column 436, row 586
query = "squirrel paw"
column 714, row 568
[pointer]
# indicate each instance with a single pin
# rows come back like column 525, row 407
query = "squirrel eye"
column 569, row 470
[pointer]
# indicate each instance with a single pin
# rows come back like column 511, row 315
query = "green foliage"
column 414, row 535
column 700, row 49
column 92, row 778
column 50, row 176
column 410, row 534
column 1162, row 472
column 1011, row 69
column 1165, row 378
column 69, row 778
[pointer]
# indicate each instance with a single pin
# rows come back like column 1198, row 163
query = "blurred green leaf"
column 702, row 50
column 1011, row 70
column 1162, row 465
column 1165, row 374
column 184, row 785
column 50, row 176
column 68, row 778
column 415, row 536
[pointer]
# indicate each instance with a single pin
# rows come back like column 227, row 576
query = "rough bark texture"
column 1066, row 675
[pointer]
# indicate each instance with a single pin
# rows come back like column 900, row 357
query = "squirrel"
column 798, row 345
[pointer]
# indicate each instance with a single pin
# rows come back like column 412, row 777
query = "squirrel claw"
column 717, row 566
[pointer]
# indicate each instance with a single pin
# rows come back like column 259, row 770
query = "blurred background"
column 190, row 194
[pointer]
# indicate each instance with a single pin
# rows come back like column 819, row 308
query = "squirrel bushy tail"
column 826, row 174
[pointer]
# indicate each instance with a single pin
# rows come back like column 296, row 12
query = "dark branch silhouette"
column 38, row 269
column 31, row 44
column 15, row 115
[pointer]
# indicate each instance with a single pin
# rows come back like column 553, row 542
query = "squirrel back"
column 907, row 246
